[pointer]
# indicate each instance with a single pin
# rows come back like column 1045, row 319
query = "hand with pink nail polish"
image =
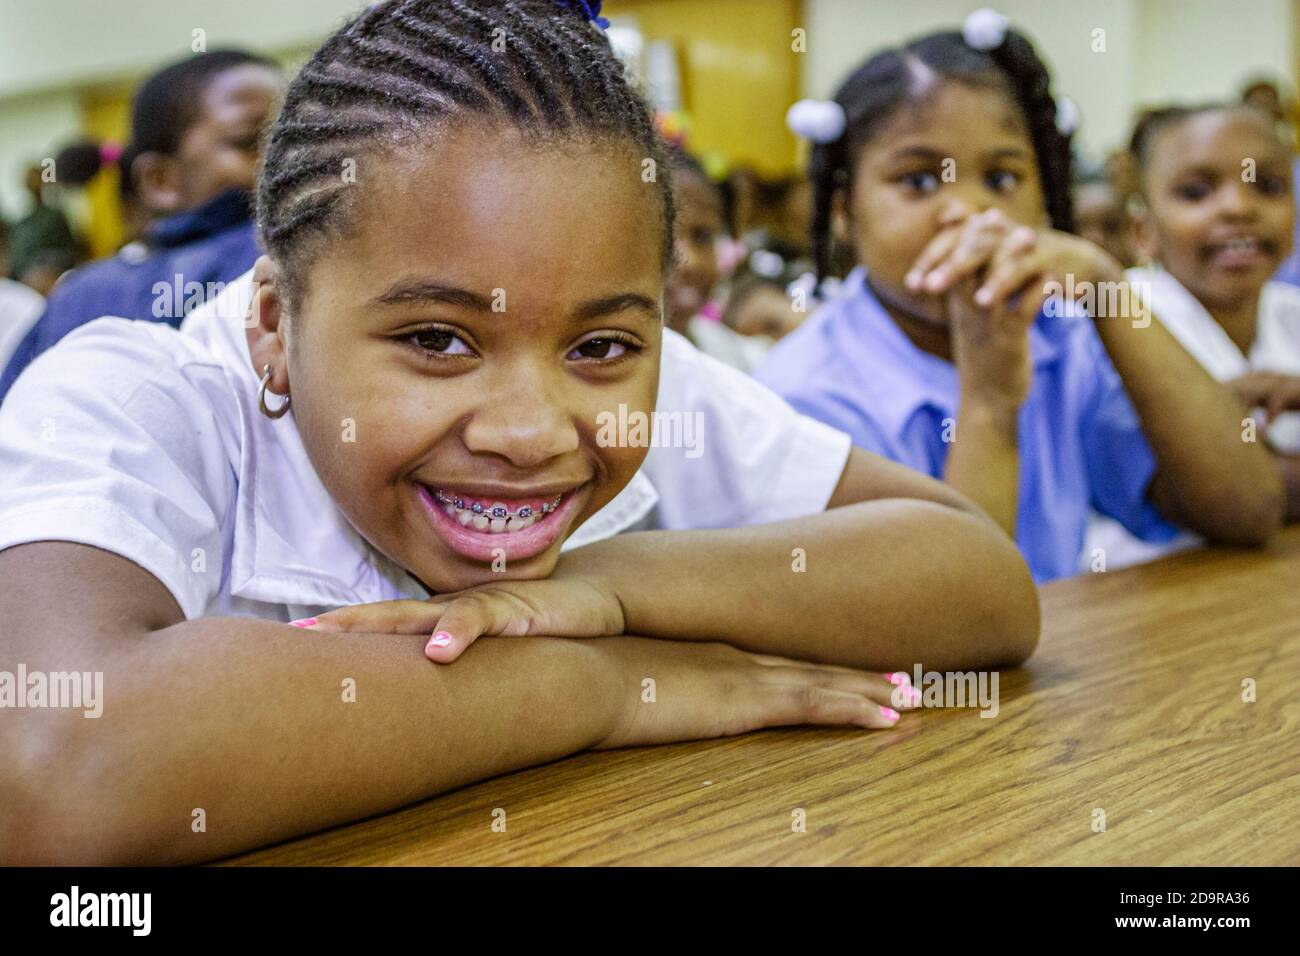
column 552, row 607
column 716, row 690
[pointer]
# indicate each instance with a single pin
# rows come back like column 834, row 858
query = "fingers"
column 875, row 687
column 1252, row 388
column 468, row 618
column 1007, row 272
column 381, row 617
column 935, row 251
column 978, row 239
column 805, row 704
column 1285, row 397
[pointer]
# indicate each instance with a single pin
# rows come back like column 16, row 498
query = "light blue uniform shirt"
column 1081, row 444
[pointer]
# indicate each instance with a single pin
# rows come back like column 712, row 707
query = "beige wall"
column 1156, row 50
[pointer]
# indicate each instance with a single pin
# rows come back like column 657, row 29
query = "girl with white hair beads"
column 943, row 169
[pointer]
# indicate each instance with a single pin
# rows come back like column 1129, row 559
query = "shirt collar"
column 292, row 544
column 898, row 378
column 234, row 207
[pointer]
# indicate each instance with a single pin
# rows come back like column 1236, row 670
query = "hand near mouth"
column 552, row 607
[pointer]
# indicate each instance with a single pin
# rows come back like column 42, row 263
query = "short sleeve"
column 112, row 440
column 1119, row 460
column 754, row 459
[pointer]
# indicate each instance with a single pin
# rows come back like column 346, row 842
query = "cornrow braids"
column 404, row 66
column 893, row 78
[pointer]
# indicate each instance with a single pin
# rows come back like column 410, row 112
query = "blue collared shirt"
column 186, row 259
column 1081, row 444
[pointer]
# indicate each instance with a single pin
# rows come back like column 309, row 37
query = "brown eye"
column 1193, row 192
column 921, row 182
column 603, row 349
column 1002, row 181
column 439, row 341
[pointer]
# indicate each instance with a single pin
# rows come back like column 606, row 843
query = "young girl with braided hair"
column 944, row 167
column 426, row 410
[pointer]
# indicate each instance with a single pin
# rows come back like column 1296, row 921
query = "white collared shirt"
column 147, row 442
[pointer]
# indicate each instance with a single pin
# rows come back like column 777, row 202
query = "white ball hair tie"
column 820, row 121
column 985, row 29
column 1067, row 116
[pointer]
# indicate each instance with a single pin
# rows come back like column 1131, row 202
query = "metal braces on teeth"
column 525, row 511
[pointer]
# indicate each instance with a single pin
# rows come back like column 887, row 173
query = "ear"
column 157, row 181
column 1142, row 231
column 841, row 219
column 263, row 326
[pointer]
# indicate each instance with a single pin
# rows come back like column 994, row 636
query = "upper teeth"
column 1242, row 245
column 494, row 518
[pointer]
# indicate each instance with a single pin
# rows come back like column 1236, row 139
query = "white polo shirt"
column 147, row 442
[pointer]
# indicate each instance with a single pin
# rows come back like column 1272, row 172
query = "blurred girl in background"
column 945, row 166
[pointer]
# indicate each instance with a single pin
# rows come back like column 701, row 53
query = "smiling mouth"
column 494, row 517
column 483, row 527
column 1241, row 249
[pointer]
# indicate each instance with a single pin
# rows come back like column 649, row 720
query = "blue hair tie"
column 588, row 8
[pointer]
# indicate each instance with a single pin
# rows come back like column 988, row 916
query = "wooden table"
column 1133, row 705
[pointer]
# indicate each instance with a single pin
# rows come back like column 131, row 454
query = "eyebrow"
column 420, row 290
column 926, row 152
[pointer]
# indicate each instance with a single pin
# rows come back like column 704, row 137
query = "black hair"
column 171, row 101
column 403, row 65
column 872, row 95
column 1153, row 122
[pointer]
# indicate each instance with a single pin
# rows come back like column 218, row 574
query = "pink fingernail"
column 898, row 677
column 889, row 712
column 441, row 639
column 303, row 622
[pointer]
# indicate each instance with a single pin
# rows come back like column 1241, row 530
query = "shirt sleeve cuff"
column 93, row 522
column 814, row 464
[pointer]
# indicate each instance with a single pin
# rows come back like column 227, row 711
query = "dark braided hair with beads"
column 404, row 66
column 877, row 89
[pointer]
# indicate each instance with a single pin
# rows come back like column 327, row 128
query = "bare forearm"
column 1208, row 478
column 273, row 732
column 878, row 585
column 984, row 460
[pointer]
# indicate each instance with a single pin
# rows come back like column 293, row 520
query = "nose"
column 962, row 204
column 689, row 259
column 1239, row 200
column 523, row 419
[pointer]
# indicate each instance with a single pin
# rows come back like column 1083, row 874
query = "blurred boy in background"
column 196, row 137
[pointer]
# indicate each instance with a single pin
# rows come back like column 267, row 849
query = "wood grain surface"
column 1132, row 706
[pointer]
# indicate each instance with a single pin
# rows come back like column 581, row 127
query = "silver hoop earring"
column 261, row 396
